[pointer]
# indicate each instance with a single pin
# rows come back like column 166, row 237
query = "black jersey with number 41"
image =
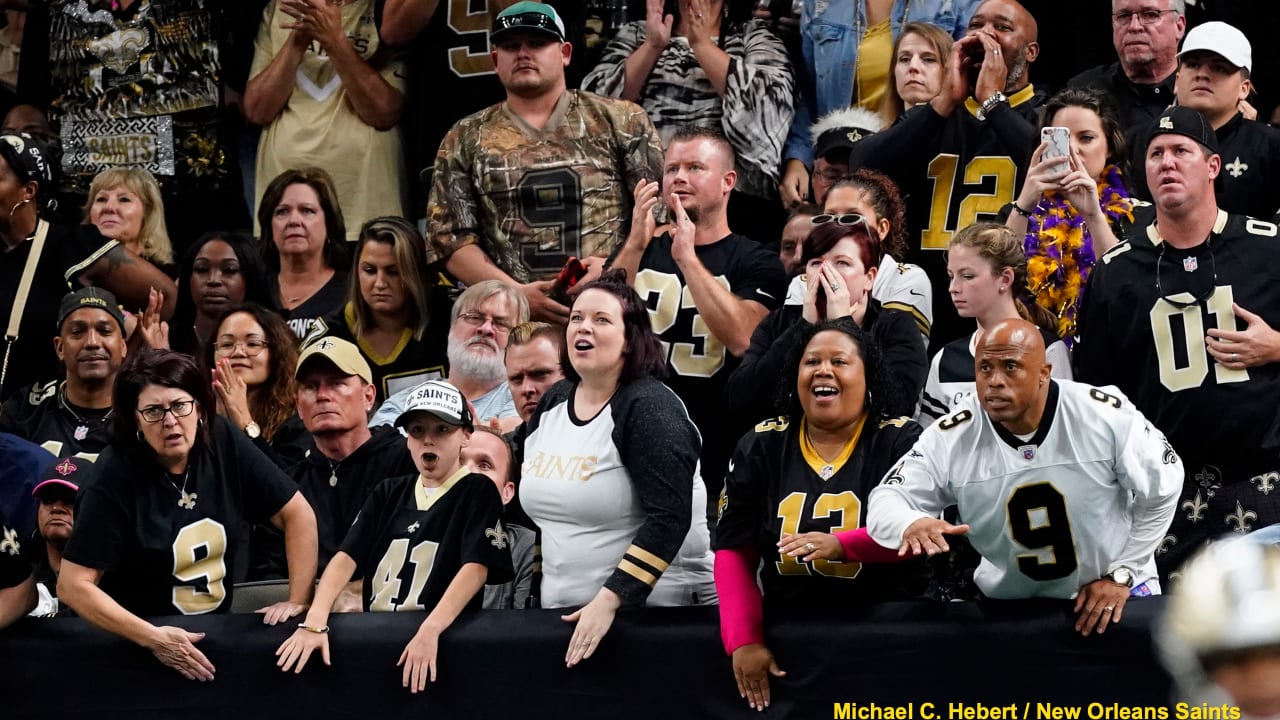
column 408, row 545
column 775, row 485
column 1147, row 311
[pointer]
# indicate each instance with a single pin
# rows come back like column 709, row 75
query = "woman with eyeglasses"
column 841, row 258
column 394, row 312
column 988, row 273
column 164, row 527
column 610, row 473
column 251, row 362
column 1072, row 211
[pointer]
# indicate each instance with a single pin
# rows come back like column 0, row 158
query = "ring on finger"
column 1108, row 608
column 810, row 547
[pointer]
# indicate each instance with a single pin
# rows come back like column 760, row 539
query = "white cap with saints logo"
column 440, row 399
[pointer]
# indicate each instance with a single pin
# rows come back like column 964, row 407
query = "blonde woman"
column 125, row 205
column 388, row 313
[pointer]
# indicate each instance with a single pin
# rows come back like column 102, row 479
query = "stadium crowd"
column 449, row 307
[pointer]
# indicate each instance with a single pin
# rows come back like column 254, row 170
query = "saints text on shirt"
column 565, row 467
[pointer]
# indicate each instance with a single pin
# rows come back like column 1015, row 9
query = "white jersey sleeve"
column 917, row 487
column 906, row 287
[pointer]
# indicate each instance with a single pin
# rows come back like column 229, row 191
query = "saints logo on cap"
column 1166, row 123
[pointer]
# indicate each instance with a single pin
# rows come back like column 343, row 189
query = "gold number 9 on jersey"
column 208, row 570
column 791, row 510
column 1038, row 519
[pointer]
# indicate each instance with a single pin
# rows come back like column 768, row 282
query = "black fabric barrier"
column 658, row 663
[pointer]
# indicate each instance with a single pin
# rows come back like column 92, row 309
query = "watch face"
column 1122, row 576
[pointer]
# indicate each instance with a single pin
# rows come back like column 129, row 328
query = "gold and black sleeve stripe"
column 642, row 565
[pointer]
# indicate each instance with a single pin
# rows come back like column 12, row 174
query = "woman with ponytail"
column 988, row 282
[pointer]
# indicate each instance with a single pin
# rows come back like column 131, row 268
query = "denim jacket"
column 830, row 32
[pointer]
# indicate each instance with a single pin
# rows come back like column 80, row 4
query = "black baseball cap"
column 62, row 477
column 1184, row 121
column 90, row 297
column 528, row 16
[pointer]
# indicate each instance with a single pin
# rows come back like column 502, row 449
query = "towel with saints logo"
column 409, row 541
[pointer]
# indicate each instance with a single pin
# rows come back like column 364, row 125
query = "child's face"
column 435, row 445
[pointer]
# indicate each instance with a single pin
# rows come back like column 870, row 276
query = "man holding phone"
column 960, row 157
column 524, row 185
column 707, row 287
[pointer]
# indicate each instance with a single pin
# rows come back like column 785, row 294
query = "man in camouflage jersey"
column 524, row 185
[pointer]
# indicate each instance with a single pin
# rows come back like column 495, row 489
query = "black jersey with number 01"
column 42, row 414
column 699, row 364
column 408, row 545
column 1149, row 340
column 775, row 486
column 161, row 555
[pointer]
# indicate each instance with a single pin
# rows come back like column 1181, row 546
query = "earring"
column 17, row 205
column 140, row 438
column 869, row 400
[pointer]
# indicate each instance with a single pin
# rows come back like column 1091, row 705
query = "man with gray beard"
column 479, row 328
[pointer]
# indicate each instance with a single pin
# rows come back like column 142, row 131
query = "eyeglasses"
column 475, row 319
column 1146, row 18
column 846, row 219
column 831, row 177
column 1196, row 299
column 155, row 413
column 253, row 347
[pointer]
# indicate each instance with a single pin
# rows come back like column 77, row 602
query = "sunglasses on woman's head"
column 846, row 219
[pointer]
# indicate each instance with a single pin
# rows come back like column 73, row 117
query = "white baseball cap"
column 440, row 399
column 1223, row 39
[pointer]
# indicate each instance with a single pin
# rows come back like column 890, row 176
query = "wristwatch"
column 1121, row 576
column 252, row 430
column 996, row 98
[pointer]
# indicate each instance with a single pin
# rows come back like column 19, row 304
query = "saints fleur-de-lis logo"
column 1208, row 479
column 1195, row 508
column 1266, row 482
column 1170, row 457
column 1241, row 518
column 10, row 543
column 414, row 527
column 1166, row 544
column 895, row 477
column 497, row 535
column 187, row 501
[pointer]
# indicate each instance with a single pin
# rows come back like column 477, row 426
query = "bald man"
column 961, row 157
column 1064, row 489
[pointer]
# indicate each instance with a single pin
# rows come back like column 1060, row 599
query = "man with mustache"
column 1064, row 489
column 70, row 417
column 482, row 320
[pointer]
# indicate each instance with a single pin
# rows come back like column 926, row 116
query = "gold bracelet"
column 317, row 630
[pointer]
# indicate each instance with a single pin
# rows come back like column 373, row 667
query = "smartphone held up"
column 1058, row 146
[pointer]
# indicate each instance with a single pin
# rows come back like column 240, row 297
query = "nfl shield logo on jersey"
column 1028, row 452
column 1190, row 264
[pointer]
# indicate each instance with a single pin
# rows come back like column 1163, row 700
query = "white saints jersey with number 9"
column 1093, row 489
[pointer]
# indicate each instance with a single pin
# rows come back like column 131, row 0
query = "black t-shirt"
column 160, row 557
column 14, row 566
column 405, row 542
column 698, row 364
column 331, row 296
column 383, row 455
column 1137, row 104
column 414, row 360
column 774, row 486
column 43, row 415
column 1155, row 352
column 68, row 251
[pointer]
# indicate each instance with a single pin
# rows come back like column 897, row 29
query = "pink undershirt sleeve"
column 741, row 604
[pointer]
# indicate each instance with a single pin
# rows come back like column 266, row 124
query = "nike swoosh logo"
column 917, row 293
column 761, row 292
